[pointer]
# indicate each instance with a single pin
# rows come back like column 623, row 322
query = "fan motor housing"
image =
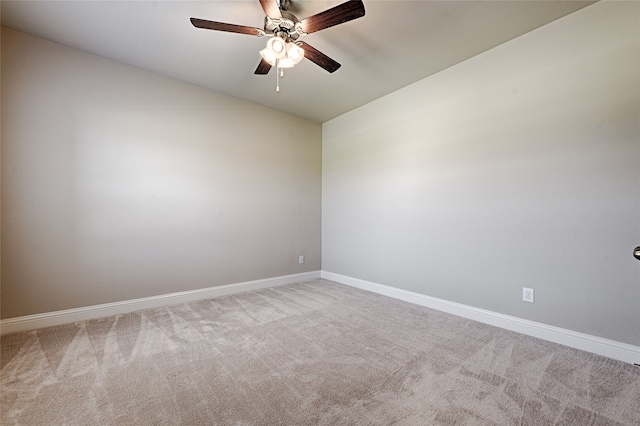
column 286, row 24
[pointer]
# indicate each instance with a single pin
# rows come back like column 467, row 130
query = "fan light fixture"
column 281, row 54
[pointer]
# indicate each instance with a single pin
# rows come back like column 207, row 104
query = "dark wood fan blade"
column 319, row 58
column 263, row 68
column 336, row 15
column 221, row 26
column 271, row 8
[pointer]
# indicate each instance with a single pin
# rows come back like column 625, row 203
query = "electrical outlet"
column 301, row 260
column 527, row 294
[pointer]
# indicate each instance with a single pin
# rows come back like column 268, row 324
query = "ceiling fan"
column 283, row 29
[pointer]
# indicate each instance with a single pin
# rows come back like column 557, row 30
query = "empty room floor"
column 314, row 352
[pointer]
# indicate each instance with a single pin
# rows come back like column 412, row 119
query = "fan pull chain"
column 277, row 78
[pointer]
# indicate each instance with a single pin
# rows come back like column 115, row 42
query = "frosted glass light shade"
column 294, row 53
column 268, row 56
column 277, row 46
column 285, row 63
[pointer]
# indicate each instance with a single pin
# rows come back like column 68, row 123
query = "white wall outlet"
column 300, row 260
column 527, row 294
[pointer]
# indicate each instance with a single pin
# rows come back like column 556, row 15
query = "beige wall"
column 517, row 168
column 118, row 183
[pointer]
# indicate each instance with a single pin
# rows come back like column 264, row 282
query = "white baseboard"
column 605, row 347
column 31, row 322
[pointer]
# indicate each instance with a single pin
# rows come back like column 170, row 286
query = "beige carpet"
column 305, row 354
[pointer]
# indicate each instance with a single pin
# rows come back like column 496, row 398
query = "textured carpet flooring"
column 308, row 353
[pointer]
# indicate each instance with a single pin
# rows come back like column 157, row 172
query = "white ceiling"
column 395, row 44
